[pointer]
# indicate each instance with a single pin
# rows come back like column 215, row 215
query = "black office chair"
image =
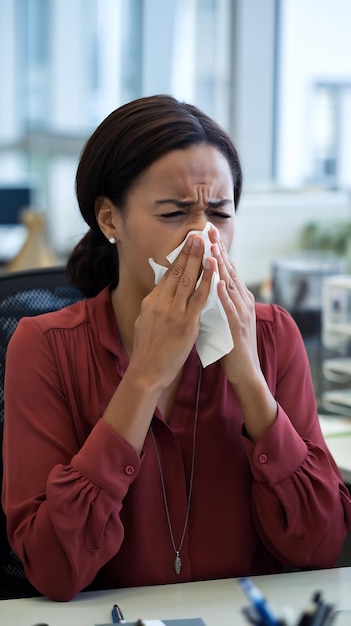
column 25, row 293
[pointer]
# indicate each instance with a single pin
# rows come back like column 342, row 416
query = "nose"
column 198, row 221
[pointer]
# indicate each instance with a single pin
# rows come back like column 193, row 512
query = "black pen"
column 117, row 615
column 317, row 613
column 322, row 614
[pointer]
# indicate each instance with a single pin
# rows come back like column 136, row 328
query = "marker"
column 259, row 605
column 117, row 615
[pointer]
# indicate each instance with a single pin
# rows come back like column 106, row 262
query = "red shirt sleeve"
column 71, row 505
column 300, row 504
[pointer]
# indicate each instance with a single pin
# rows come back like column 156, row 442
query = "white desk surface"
column 218, row 602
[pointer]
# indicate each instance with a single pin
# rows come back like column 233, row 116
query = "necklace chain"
column 178, row 561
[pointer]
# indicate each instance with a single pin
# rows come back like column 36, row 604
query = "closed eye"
column 173, row 214
column 220, row 214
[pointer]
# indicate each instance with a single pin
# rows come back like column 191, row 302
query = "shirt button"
column 129, row 469
column 263, row 458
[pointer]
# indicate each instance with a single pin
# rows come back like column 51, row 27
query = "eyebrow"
column 183, row 204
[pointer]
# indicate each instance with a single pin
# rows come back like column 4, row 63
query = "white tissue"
column 214, row 338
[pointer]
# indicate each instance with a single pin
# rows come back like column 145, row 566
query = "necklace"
column 178, row 561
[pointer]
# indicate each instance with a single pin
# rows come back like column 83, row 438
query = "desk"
column 218, row 602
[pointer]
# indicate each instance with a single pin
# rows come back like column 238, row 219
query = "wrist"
column 258, row 406
column 144, row 380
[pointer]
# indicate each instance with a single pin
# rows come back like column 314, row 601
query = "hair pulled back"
column 122, row 147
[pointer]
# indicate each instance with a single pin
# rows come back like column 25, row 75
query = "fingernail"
column 197, row 242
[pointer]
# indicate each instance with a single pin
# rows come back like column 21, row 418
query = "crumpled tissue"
column 214, row 339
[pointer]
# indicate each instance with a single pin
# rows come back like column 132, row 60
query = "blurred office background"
column 275, row 73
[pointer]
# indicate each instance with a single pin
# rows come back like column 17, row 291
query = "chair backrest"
column 26, row 293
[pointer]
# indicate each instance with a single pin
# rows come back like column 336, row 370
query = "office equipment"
column 117, row 615
column 259, row 611
column 13, row 198
column 24, row 293
column 318, row 612
column 12, row 239
column 336, row 335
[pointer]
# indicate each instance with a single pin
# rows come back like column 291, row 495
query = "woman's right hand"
column 165, row 332
column 169, row 320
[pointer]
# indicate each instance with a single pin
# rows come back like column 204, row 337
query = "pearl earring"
column 112, row 239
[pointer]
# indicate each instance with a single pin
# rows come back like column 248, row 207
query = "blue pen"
column 117, row 615
column 259, row 605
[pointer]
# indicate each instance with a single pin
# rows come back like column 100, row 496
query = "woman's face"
column 180, row 192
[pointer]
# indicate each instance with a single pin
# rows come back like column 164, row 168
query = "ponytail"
column 93, row 264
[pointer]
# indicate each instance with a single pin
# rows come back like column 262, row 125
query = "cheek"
column 227, row 234
column 155, row 250
column 165, row 245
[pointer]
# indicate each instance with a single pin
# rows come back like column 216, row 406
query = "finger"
column 183, row 274
column 192, row 292
column 227, row 302
column 227, row 270
column 200, row 295
column 213, row 234
column 193, row 268
column 174, row 271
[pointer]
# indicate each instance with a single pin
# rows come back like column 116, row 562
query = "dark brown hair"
column 123, row 146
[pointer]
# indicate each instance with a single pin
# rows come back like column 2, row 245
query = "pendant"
column 177, row 564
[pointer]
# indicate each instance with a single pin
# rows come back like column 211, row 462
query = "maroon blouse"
column 83, row 508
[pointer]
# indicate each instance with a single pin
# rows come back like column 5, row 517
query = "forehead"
column 197, row 165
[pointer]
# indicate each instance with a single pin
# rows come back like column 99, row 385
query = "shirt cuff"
column 108, row 460
column 278, row 453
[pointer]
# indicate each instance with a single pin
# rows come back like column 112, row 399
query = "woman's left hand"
column 239, row 305
column 242, row 365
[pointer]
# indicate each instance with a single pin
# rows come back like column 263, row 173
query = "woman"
column 126, row 461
